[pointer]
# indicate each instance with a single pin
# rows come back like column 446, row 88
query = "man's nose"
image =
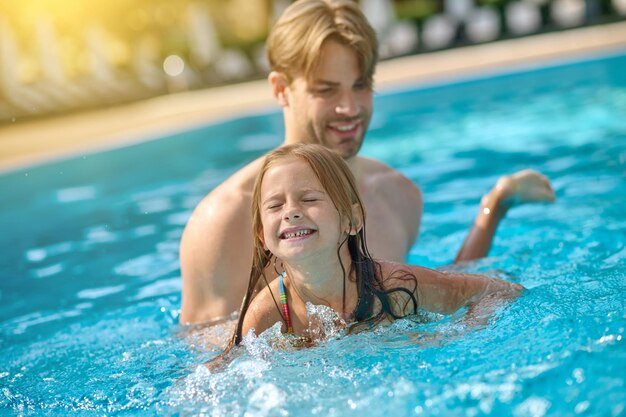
column 347, row 105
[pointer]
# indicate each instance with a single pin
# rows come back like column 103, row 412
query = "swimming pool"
column 90, row 281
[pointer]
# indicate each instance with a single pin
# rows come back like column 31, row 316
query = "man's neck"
column 355, row 166
column 291, row 139
column 353, row 162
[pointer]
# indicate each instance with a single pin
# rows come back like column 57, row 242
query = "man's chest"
column 386, row 233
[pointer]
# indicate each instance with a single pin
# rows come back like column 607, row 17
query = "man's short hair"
column 295, row 41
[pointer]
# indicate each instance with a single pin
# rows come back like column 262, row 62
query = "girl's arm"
column 446, row 292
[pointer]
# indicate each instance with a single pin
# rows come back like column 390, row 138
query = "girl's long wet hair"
column 340, row 185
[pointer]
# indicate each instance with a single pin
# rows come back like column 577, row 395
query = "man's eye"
column 324, row 91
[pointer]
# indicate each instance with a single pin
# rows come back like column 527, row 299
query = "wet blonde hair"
column 296, row 39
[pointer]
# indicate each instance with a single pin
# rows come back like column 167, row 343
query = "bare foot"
column 526, row 186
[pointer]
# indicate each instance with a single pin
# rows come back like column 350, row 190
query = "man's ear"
column 278, row 83
column 356, row 223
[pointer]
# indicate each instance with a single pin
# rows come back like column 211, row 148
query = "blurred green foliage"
column 415, row 9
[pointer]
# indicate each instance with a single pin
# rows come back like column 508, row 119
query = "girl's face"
column 299, row 219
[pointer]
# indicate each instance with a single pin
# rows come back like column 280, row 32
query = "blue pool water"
column 90, row 280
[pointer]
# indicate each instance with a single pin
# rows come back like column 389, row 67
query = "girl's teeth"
column 345, row 128
column 297, row 234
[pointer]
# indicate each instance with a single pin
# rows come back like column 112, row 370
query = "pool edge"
column 62, row 137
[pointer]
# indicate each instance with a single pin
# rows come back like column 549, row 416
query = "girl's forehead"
column 289, row 171
column 294, row 166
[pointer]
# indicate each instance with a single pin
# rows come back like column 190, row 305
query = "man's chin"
column 346, row 148
column 348, row 151
column 348, row 154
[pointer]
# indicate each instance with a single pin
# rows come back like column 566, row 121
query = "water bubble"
column 581, row 407
column 259, row 347
column 35, row 255
column 579, row 375
column 532, row 407
column 324, row 323
column 140, row 392
column 266, row 401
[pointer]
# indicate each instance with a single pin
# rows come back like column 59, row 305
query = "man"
column 323, row 55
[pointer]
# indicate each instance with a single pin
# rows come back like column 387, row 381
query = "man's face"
column 334, row 107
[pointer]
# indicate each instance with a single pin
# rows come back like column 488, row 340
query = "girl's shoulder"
column 263, row 313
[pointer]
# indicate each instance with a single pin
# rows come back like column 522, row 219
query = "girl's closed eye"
column 312, row 197
column 273, row 205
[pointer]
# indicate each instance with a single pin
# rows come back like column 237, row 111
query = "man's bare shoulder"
column 393, row 204
column 241, row 182
column 387, row 181
column 216, row 247
column 224, row 212
column 235, row 191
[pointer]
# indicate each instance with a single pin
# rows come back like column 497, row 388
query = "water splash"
column 324, row 323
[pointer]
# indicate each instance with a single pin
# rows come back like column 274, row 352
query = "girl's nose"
column 293, row 213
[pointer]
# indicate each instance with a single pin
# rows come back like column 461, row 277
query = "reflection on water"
column 90, row 288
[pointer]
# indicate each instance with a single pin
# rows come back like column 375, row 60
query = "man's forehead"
column 333, row 79
column 334, row 63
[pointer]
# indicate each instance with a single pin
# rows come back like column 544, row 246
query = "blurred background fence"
column 59, row 56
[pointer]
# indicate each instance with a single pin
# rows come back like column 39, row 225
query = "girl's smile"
column 292, row 233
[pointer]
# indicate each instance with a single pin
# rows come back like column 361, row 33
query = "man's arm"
column 216, row 249
column 215, row 257
column 522, row 187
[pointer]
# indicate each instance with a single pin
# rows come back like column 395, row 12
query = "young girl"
column 308, row 222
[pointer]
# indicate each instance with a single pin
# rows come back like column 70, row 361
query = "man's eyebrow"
column 325, row 82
